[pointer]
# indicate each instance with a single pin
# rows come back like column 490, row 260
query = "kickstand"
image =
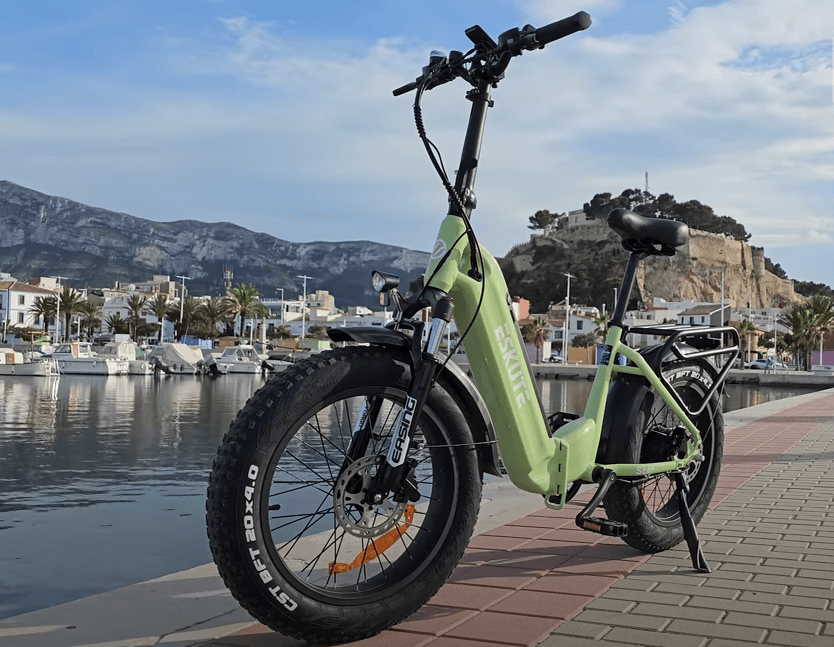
column 699, row 563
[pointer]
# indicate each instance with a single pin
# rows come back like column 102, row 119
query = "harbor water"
column 102, row 479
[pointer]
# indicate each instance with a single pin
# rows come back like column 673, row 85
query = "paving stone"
column 733, row 605
column 699, row 591
column 614, row 619
column 769, row 622
column 610, row 604
column 684, row 612
column 732, row 632
column 797, row 640
column 539, row 603
column 790, row 600
column 505, row 628
column 581, row 630
column 640, row 637
column 808, row 614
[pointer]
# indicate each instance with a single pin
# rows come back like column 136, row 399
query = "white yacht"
column 128, row 350
column 78, row 358
column 14, row 363
column 240, row 359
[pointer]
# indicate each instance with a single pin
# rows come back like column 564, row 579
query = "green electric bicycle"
column 347, row 488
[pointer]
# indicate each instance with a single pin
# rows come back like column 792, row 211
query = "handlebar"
column 562, row 28
column 510, row 44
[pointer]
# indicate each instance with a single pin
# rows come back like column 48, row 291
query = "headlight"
column 383, row 282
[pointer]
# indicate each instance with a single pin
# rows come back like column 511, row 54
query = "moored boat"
column 129, row 351
column 14, row 363
column 241, row 359
column 78, row 358
column 176, row 359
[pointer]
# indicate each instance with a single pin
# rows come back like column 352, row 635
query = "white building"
column 16, row 301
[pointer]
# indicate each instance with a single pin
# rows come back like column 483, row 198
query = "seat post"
column 629, row 274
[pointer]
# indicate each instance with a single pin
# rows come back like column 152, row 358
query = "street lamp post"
column 182, row 303
column 567, row 320
column 304, row 303
column 58, row 309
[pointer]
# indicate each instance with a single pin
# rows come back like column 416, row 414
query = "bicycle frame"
column 535, row 460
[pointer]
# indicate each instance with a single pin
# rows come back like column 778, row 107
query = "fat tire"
column 257, row 434
column 624, row 503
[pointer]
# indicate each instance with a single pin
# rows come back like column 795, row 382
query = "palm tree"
column 190, row 315
column 601, row 322
column 211, row 313
column 116, row 325
column 136, row 306
column 746, row 331
column 243, row 302
column 159, row 307
column 821, row 310
column 799, row 322
column 70, row 305
column 90, row 317
column 44, row 307
column 535, row 332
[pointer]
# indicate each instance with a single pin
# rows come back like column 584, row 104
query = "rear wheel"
column 652, row 434
column 295, row 534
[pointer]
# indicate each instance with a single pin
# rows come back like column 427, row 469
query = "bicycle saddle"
column 648, row 235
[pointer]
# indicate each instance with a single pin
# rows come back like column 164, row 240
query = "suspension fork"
column 396, row 472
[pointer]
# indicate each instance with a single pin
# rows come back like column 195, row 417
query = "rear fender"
column 451, row 379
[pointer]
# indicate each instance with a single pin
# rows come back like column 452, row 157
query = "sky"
column 279, row 117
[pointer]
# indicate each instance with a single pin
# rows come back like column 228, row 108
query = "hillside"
column 593, row 255
column 43, row 235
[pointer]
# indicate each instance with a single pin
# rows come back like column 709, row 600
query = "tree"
column 601, row 322
column 90, row 317
column 159, row 307
column 544, row 220
column 243, row 302
column 190, row 315
column 692, row 212
column 211, row 313
column 585, row 341
column 535, row 332
column 70, row 305
column 136, row 306
column 281, row 332
column 116, row 325
column 317, row 332
column 746, row 330
column 45, row 308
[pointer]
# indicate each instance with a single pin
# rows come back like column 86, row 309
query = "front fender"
column 451, row 379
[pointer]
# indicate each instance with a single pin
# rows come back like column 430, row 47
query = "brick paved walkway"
column 540, row 581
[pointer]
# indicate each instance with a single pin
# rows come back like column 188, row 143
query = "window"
column 21, row 300
column 20, row 317
column 692, row 320
column 579, row 324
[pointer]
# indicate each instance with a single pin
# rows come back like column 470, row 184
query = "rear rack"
column 706, row 341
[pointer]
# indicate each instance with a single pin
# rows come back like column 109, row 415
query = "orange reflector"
column 377, row 546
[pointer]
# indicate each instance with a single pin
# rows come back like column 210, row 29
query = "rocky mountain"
column 43, row 235
column 594, row 256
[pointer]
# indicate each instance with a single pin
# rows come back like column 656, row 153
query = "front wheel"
column 294, row 533
column 652, row 433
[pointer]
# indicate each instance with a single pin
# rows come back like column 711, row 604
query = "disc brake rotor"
column 356, row 515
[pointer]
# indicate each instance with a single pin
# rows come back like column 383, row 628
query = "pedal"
column 604, row 526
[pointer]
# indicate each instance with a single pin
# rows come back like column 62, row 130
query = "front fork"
column 395, row 472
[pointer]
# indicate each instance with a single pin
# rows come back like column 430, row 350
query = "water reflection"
column 102, row 479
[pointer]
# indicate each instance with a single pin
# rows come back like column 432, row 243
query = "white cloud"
column 731, row 106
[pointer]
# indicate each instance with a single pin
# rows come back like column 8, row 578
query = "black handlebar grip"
column 408, row 87
column 562, row 28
